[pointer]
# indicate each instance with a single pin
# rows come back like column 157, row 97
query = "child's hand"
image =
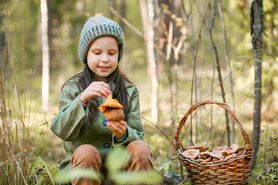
column 118, row 128
column 94, row 89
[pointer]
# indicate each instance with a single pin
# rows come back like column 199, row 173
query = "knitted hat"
column 95, row 27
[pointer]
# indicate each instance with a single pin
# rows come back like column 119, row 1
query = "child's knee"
column 86, row 154
column 139, row 149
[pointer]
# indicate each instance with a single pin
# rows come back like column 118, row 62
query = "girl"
column 83, row 128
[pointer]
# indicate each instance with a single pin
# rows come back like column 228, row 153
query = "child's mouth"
column 104, row 68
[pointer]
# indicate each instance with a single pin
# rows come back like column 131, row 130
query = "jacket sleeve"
column 72, row 113
column 134, row 124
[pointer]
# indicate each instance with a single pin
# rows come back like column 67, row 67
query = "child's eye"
column 97, row 52
column 112, row 52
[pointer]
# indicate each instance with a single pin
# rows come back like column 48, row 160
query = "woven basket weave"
column 231, row 171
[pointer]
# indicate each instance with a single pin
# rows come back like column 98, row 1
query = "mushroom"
column 198, row 147
column 220, row 148
column 191, row 153
column 112, row 109
column 204, row 155
column 232, row 149
column 214, row 154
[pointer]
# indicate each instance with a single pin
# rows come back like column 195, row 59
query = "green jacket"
column 71, row 124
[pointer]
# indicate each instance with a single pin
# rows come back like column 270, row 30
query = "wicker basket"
column 231, row 171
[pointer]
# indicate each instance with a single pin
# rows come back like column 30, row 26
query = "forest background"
column 177, row 53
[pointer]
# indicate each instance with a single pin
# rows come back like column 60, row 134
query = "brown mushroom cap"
column 191, row 153
column 198, row 147
column 233, row 148
column 220, row 148
column 214, row 154
column 110, row 103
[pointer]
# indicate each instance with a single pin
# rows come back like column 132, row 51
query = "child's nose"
column 105, row 58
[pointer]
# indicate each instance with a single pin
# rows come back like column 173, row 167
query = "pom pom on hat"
column 95, row 27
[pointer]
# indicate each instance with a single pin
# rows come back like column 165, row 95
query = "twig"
column 20, row 170
column 219, row 69
column 14, row 156
column 126, row 22
column 161, row 131
column 211, row 107
column 194, row 67
column 227, row 59
column 225, row 78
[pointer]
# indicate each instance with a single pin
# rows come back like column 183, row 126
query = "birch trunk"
column 147, row 13
column 45, row 56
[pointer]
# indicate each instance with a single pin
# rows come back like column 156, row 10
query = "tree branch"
column 126, row 22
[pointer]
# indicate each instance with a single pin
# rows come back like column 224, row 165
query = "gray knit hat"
column 95, row 27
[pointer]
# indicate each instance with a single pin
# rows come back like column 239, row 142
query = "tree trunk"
column 147, row 13
column 45, row 56
column 256, row 33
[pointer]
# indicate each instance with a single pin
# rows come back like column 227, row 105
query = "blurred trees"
column 181, row 41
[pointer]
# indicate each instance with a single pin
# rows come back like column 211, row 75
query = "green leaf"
column 146, row 177
column 117, row 159
column 65, row 176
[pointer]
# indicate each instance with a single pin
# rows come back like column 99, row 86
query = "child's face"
column 102, row 57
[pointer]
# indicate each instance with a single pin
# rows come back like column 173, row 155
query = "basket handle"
column 224, row 106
